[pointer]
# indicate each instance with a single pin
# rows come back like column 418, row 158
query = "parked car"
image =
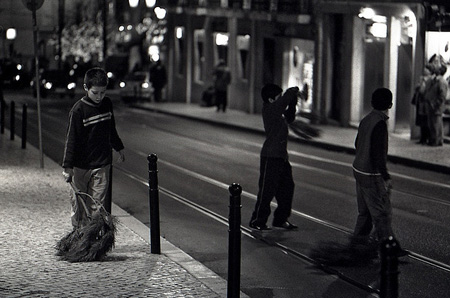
column 136, row 86
column 56, row 81
column 14, row 74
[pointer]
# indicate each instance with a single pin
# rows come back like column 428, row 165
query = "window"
column 180, row 52
column 199, row 55
column 243, row 46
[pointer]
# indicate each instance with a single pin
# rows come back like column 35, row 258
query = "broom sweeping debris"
column 93, row 240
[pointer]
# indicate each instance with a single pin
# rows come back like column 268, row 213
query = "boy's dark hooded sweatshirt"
column 91, row 135
column 276, row 118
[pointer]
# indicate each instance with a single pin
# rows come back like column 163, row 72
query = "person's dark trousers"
column 158, row 94
column 221, row 100
column 275, row 180
column 424, row 134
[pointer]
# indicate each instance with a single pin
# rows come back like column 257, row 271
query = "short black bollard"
column 389, row 268
column 24, row 125
column 2, row 115
column 12, row 119
column 153, row 195
column 234, row 241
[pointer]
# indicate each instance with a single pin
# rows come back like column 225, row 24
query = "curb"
column 213, row 281
column 319, row 144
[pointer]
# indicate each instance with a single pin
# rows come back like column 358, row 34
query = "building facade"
column 339, row 51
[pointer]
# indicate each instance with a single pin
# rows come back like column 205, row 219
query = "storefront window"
column 180, row 52
column 221, row 47
column 199, row 55
column 243, row 45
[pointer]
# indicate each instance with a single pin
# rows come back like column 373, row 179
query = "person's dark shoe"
column 285, row 225
column 261, row 228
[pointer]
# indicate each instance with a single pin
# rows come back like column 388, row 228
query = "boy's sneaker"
column 286, row 225
column 259, row 227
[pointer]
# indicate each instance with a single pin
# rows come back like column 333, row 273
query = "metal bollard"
column 234, row 241
column 24, row 125
column 2, row 115
column 153, row 196
column 12, row 120
column 389, row 268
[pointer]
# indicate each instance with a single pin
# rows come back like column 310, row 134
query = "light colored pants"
column 374, row 208
column 94, row 182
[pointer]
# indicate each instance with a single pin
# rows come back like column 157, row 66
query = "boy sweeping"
column 91, row 136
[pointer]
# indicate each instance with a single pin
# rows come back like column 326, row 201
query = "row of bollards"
column 12, row 119
column 388, row 250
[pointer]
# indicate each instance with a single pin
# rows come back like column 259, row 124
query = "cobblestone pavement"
column 35, row 214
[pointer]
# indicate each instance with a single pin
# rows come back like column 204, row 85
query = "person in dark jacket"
column 275, row 178
column 222, row 78
column 91, row 136
column 158, row 78
column 373, row 182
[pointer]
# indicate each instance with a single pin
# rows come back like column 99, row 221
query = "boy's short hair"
column 95, row 77
column 270, row 91
column 381, row 99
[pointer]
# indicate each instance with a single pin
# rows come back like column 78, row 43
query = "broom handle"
column 97, row 203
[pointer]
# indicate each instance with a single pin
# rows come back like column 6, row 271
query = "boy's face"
column 96, row 93
column 275, row 99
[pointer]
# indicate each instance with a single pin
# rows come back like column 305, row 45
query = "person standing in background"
column 222, row 78
column 158, row 78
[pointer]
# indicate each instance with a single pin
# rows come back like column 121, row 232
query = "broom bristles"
column 90, row 242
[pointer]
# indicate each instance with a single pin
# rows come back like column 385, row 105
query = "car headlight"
column 17, row 78
column 71, row 86
column 145, row 85
column 48, row 85
column 122, row 84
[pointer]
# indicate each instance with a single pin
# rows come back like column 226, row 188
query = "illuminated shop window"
column 180, row 44
column 243, row 45
column 221, row 47
column 199, row 55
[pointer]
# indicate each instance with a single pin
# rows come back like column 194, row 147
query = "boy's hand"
column 121, row 156
column 68, row 174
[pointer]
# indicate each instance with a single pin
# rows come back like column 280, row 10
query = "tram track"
column 246, row 231
column 278, row 245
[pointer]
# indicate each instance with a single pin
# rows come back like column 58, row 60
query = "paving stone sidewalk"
column 35, row 214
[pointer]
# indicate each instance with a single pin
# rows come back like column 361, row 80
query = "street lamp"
column 150, row 3
column 133, row 3
column 11, row 33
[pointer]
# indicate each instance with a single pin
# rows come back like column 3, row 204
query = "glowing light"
column 121, row 28
column 160, row 13
column 379, row 30
column 122, row 84
column 179, row 32
column 150, row 3
column 221, row 39
column 366, row 13
column 133, row 3
column 19, row 66
column 71, row 86
column 11, row 33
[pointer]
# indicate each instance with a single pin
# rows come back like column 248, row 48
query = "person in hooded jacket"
column 275, row 180
column 91, row 136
